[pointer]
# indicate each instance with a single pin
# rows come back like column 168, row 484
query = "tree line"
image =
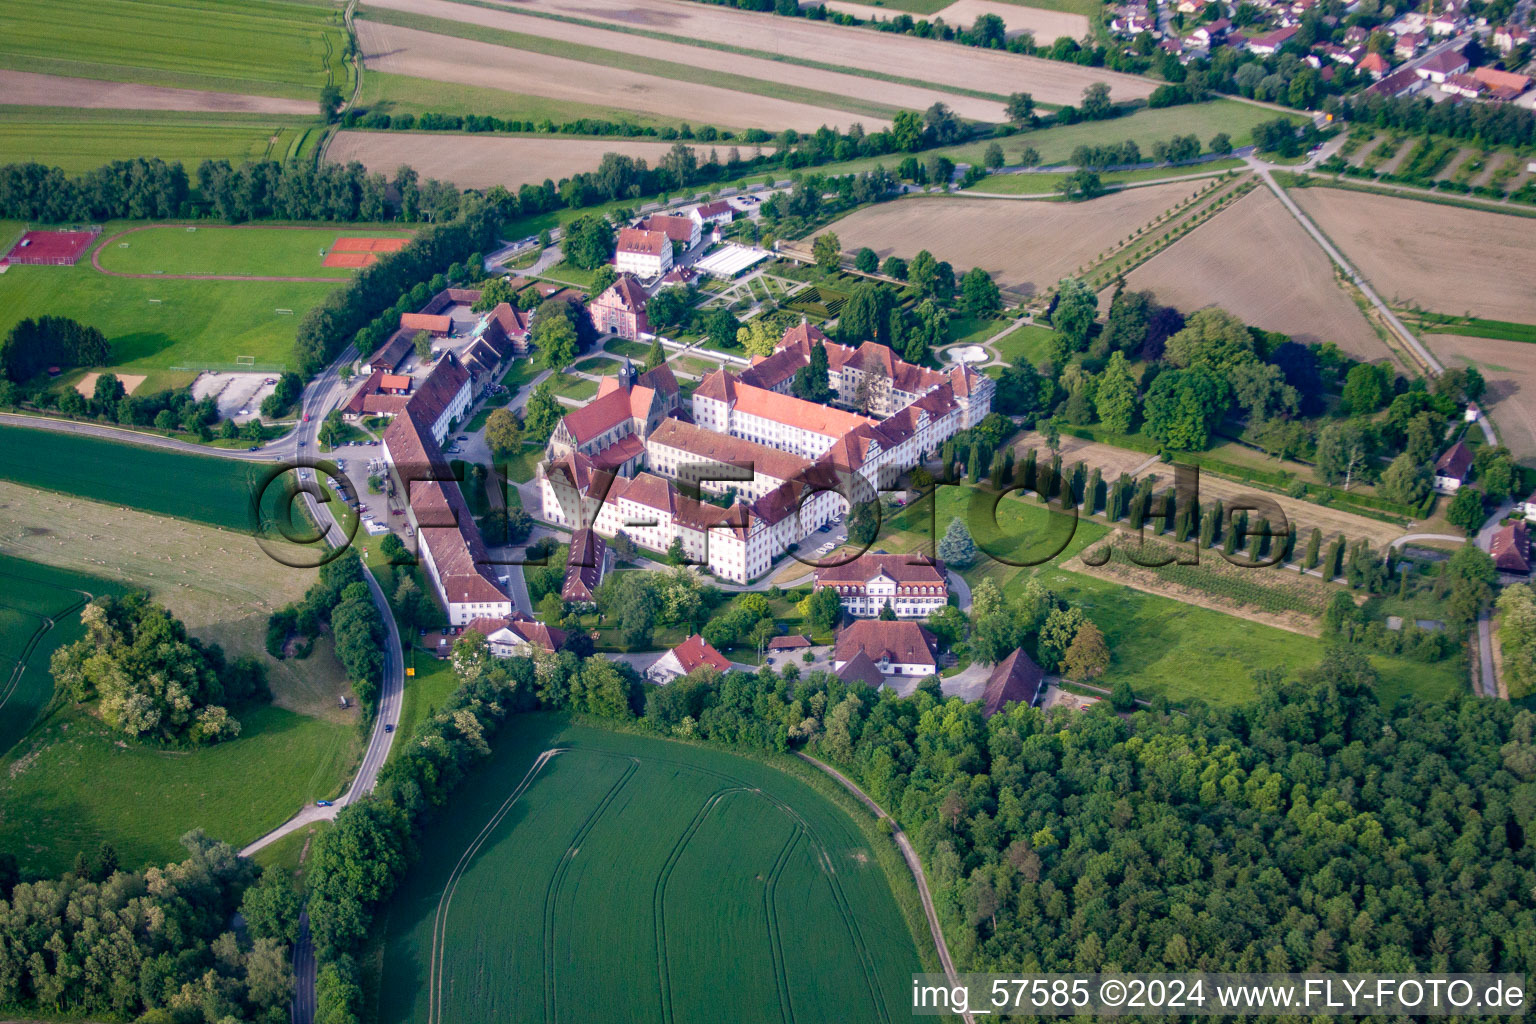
column 34, row 345
column 340, row 600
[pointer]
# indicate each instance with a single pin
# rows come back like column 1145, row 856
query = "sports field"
column 157, row 324
column 681, row 852
column 247, row 251
column 39, row 611
column 265, row 47
column 201, row 488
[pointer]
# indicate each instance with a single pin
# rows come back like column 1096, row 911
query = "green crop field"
column 39, row 612
column 70, row 785
column 1045, row 184
column 400, row 94
column 81, row 140
column 164, row 324
column 202, row 488
column 254, row 251
column 680, row 852
column 263, row 47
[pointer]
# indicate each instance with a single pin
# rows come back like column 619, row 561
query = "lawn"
column 82, row 140
column 264, row 47
column 401, row 94
column 520, row 467
column 684, row 851
column 253, row 251
column 598, row 365
column 72, row 785
column 1044, row 184
column 39, row 612
column 425, row 691
column 1159, row 645
column 578, row 388
column 202, row 488
column 627, row 349
column 568, row 273
column 694, row 365
column 167, row 324
column 1026, row 342
column 972, row 329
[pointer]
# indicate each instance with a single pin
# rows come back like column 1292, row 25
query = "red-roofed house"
column 439, row 326
column 901, row 648
column 1511, row 549
column 693, row 653
column 1270, row 42
column 585, row 566
column 518, row 635
column 645, row 254
column 1375, row 64
column 1501, row 85
column 714, row 213
column 914, row 590
column 1442, row 66
column 621, row 309
column 1452, row 468
column 683, row 230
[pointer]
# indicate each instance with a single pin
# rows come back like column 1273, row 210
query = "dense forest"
column 155, row 946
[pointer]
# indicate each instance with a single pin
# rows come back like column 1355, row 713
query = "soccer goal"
column 245, row 360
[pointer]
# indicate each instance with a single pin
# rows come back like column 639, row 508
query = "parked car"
column 463, row 437
column 322, row 803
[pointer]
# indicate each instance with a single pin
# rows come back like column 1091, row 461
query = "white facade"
column 643, row 265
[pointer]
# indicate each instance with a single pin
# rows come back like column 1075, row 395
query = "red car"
column 306, row 417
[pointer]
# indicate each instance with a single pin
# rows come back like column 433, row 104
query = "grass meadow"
column 39, row 612
column 1158, row 645
column 264, row 47
column 82, row 140
column 683, row 851
column 1047, row 184
column 159, row 325
column 253, row 251
column 391, row 94
column 73, row 783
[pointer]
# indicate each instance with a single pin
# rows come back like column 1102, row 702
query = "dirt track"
column 25, row 88
column 926, row 60
column 1256, row 262
column 404, row 51
column 1024, row 246
column 831, row 82
column 1443, row 258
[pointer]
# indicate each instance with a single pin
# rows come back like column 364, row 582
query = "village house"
column 901, row 648
column 1511, row 549
column 439, row 326
column 1270, row 42
column 682, row 230
column 694, row 652
column 1452, row 468
column 646, row 254
column 621, row 309
column 1442, row 66
column 517, row 635
column 712, row 215
column 868, row 584
column 1527, row 507
column 380, row 394
column 1507, row 37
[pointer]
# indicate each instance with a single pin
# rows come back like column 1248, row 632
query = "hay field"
column 472, row 161
column 680, row 852
column 769, row 71
column 1027, row 246
column 1254, row 260
column 404, row 51
column 23, row 88
column 1047, row 26
column 925, row 60
column 1510, row 369
column 1442, row 258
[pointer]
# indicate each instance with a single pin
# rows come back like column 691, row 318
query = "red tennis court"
column 369, row 244
column 51, row 248
column 349, row 259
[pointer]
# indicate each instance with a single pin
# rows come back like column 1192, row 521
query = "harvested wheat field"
column 1255, row 261
column 1443, row 258
column 479, row 161
column 405, row 51
column 1025, row 246
column 1510, row 369
column 1046, row 26
column 926, row 60
column 768, row 71
column 25, row 88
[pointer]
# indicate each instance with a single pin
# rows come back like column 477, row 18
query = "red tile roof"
column 696, row 651
column 793, row 642
column 625, row 293
column 607, row 411
column 859, row 669
column 901, row 569
column 1511, row 549
column 901, row 642
column 651, row 243
column 584, row 566
column 736, row 451
column 678, row 229
column 1455, row 462
column 426, row 322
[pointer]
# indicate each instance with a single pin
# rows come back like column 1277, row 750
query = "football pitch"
column 679, row 853
column 39, row 611
column 246, row 251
